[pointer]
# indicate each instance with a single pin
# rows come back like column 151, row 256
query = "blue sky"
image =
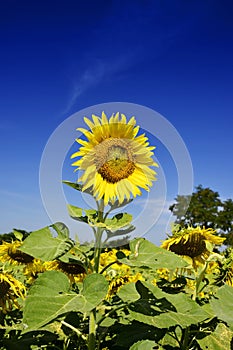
column 59, row 57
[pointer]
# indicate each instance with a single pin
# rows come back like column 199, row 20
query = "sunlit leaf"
column 124, row 231
column 220, row 339
column 95, row 288
column 144, row 345
column 118, row 221
column 145, row 253
column 42, row 245
column 50, row 297
column 128, row 293
column 222, row 304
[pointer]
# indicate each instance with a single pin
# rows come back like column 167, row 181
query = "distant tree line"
column 205, row 208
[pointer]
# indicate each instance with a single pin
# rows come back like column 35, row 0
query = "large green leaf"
column 144, row 345
column 42, row 245
column 186, row 312
column 220, row 339
column 145, row 253
column 95, row 288
column 222, row 304
column 128, row 292
column 50, row 297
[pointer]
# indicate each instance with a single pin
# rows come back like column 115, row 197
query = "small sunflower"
column 9, row 251
column 10, row 290
column 195, row 244
column 74, row 272
column 110, row 258
column 114, row 160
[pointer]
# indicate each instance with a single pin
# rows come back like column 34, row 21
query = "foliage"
column 161, row 309
column 205, row 208
column 58, row 294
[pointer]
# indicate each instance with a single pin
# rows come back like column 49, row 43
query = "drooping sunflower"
column 75, row 272
column 9, row 251
column 195, row 244
column 10, row 290
column 115, row 161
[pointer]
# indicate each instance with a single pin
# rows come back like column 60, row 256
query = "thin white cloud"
column 94, row 75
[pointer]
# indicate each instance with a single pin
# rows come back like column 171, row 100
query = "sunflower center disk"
column 189, row 248
column 20, row 256
column 114, row 160
column 4, row 288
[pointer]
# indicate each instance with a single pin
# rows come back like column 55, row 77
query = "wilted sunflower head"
column 9, row 251
column 10, row 290
column 75, row 272
column 196, row 243
column 114, row 160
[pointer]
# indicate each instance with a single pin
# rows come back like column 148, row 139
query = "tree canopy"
column 205, row 208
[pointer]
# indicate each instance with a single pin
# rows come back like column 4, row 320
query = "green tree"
column 205, row 208
column 225, row 219
column 201, row 208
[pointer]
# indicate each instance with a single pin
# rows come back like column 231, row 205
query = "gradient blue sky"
column 58, row 57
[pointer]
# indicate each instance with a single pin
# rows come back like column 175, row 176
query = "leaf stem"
column 74, row 329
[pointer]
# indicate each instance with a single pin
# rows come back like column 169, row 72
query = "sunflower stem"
column 98, row 236
column 199, row 279
column 97, row 252
column 92, row 330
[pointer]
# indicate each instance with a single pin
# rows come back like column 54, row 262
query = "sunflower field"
column 56, row 293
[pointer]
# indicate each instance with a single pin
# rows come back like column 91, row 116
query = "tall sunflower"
column 195, row 244
column 114, row 160
column 10, row 290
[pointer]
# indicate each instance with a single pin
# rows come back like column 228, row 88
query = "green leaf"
column 42, row 245
column 61, row 229
column 18, row 235
column 118, row 221
column 48, row 298
column 90, row 217
column 144, row 345
column 145, row 253
column 121, row 232
column 220, row 339
column 108, row 322
column 128, row 292
column 95, row 288
column 186, row 312
column 117, row 205
column 222, row 304
column 77, row 187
